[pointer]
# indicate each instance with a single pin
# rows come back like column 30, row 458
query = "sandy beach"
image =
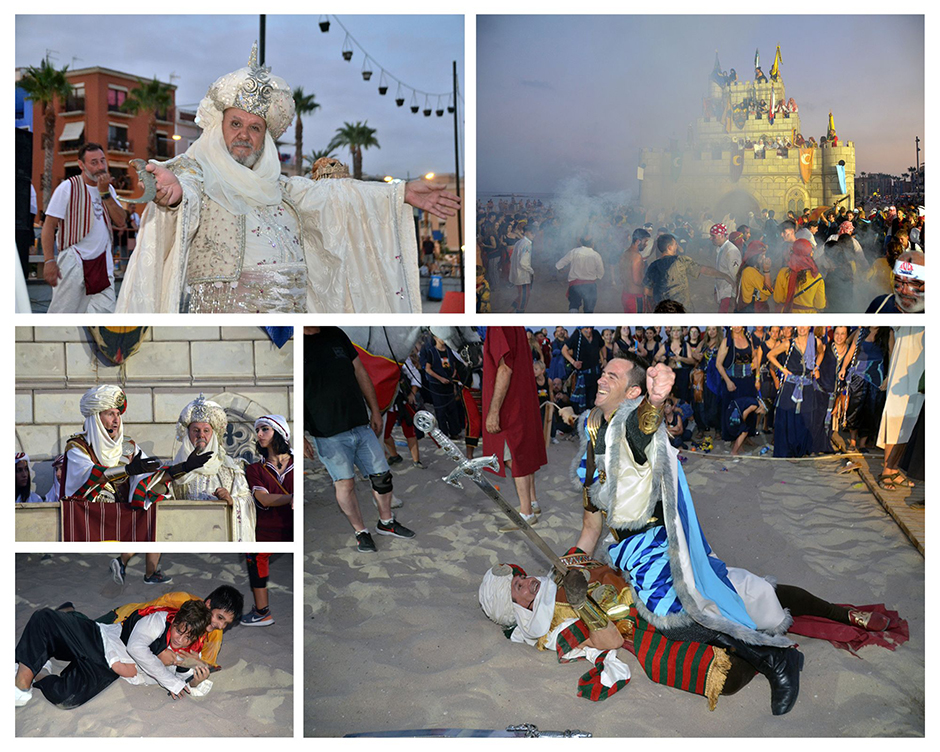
column 396, row 639
column 253, row 695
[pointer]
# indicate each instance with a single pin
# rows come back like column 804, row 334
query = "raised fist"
column 659, row 381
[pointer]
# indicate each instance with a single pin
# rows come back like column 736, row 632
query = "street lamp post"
column 457, row 181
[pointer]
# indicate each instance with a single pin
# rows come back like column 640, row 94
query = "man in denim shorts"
column 346, row 435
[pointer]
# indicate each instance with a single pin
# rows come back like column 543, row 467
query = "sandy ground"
column 252, row 696
column 396, row 639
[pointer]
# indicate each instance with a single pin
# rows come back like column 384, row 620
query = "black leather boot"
column 781, row 666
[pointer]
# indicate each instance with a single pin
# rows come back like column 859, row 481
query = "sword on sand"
column 472, row 470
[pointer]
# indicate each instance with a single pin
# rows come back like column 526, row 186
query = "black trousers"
column 65, row 636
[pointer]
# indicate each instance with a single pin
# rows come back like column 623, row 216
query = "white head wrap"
column 253, row 89
column 20, row 456
column 277, row 422
column 96, row 400
column 496, row 595
column 201, row 410
column 496, row 600
column 101, row 398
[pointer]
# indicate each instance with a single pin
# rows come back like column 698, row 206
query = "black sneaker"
column 158, row 578
column 393, row 528
column 365, row 542
column 394, row 459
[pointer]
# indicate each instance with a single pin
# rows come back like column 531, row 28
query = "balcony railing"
column 66, row 146
column 74, row 104
column 122, row 145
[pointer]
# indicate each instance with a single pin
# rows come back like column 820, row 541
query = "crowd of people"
column 839, row 259
column 805, row 391
column 625, row 394
column 103, row 471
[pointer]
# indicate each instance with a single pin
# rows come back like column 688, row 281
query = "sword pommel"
column 425, row 421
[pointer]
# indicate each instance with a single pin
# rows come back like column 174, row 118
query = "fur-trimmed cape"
column 698, row 576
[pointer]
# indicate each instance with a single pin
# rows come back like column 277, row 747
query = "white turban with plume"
column 236, row 187
column 277, row 422
column 96, row 400
column 201, row 410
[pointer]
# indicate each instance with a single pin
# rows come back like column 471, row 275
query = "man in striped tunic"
column 82, row 277
column 633, row 484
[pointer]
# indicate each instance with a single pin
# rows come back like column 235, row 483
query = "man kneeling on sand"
column 144, row 649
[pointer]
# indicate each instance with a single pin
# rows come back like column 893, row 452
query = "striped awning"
column 72, row 131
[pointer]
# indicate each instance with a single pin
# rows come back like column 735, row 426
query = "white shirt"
column 148, row 629
column 728, row 261
column 98, row 239
column 520, row 267
column 805, row 234
column 586, row 264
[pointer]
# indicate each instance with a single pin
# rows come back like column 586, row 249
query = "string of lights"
column 420, row 100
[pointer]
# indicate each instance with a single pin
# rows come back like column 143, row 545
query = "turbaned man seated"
column 220, row 477
column 229, row 234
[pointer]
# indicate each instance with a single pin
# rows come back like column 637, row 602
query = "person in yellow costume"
column 225, row 603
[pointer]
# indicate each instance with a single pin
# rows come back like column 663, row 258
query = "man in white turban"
column 229, row 234
column 102, row 465
column 219, row 477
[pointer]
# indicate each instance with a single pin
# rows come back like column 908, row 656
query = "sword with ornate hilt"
column 472, row 470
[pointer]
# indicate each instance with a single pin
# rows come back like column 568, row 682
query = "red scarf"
column 801, row 258
column 171, row 612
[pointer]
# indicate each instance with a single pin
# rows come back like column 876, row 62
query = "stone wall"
column 770, row 183
column 238, row 367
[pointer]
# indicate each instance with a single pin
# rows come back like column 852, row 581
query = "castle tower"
column 716, row 173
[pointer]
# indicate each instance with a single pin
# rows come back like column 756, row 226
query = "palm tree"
column 316, row 154
column 43, row 85
column 303, row 104
column 357, row 137
column 150, row 97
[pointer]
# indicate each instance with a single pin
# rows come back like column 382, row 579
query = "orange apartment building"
column 93, row 113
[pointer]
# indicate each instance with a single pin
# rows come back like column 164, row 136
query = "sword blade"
column 472, row 470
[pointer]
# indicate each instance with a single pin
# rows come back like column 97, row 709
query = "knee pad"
column 381, row 482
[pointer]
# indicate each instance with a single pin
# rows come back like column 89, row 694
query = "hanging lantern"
column 324, row 24
column 440, row 110
column 366, row 71
column 427, row 107
column 347, row 49
column 383, row 85
column 399, row 97
column 450, row 104
column 414, row 103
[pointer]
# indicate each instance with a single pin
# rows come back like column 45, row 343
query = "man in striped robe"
column 81, row 214
column 633, row 485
